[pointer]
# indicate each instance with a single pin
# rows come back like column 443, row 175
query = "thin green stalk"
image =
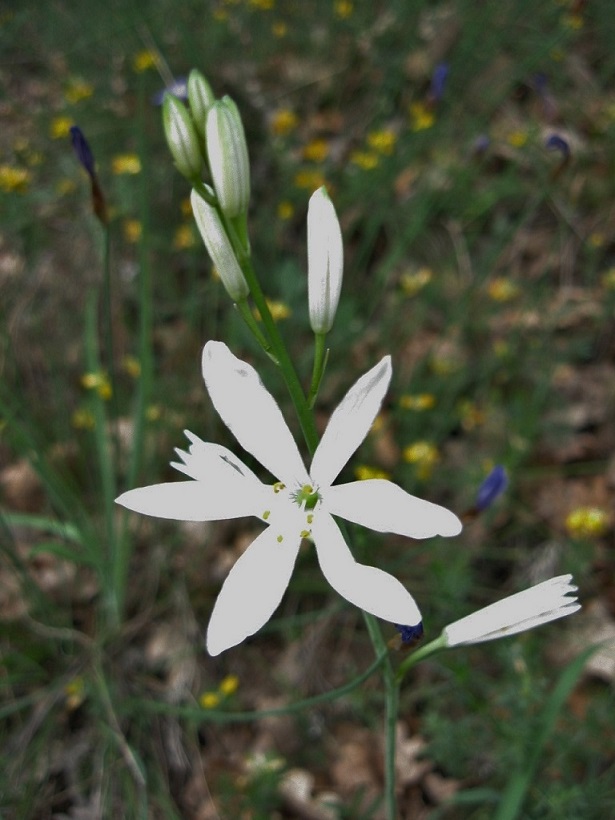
column 145, row 356
column 430, row 648
column 105, row 462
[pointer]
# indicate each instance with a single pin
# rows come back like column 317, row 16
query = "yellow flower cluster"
column 143, row 61
column 382, row 141
column 412, row 283
column 278, row 310
column 13, row 178
column 421, row 116
column 316, row 150
column 60, row 127
column 227, row 687
column 420, row 401
column 423, row 455
column 283, row 122
column 309, row 179
column 502, row 289
column 78, row 90
column 99, row 382
column 126, row 164
column 587, row 522
column 367, row 160
column 364, row 472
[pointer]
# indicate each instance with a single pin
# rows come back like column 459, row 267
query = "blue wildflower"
column 493, row 486
column 82, row 150
column 438, row 82
column 179, row 89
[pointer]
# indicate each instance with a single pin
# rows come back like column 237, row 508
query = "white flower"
column 534, row 606
column 219, row 247
column 181, row 137
column 325, row 261
column 228, row 156
column 299, row 505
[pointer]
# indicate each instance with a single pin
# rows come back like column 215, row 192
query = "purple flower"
column 438, row 82
column 556, row 143
column 82, row 150
column 493, row 486
column 410, row 634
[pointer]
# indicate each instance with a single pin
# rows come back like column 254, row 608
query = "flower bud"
column 181, row 137
column 201, row 98
column 228, row 157
column 219, row 247
column 325, row 261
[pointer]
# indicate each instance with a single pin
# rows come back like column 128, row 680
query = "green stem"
column 244, row 308
column 430, row 648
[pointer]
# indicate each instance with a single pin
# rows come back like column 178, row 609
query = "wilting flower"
column 82, row 149
column 300, row 505
column 325, row 261
column 534, row 606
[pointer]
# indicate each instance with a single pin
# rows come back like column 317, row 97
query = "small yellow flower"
column 132, row 230
column 278, row 311
column 131, row 366
column 423, row 455
column 263, row 5
column 608, row 279
column 587, row 522
column 421, row 117
column 573, row 21
column 364, row 472
column 596, row 239
column 186, row 207
column 228, row 685
column 153, row 413
column 283, row 122
column 382, row 141
column 517, row 138
column 412, row 283
column 65, row 186
column 83, row 419
column 285, row 210
column 343, row 9
column 60, row 127
column 279, row 29
column 420, row 401
column 143, row 61
column 209, row 700
column 98, row 382
column 471, row 415
column 309, row 179
column 184, row 238
column 13, row 178
column 78, row 90
column 502, row 289
column 367, row 160
column 75, row 693
column 316, row 151
column 126, row 164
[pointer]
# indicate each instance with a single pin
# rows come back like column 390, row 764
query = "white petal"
column 385, row 507
column 251, row 413
column 524, row 610
column 350, row 423
column 205, row 461
column 369, row 588
column 252, row 590
column 197, row 500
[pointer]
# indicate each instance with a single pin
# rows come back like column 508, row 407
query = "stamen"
column 266, row 514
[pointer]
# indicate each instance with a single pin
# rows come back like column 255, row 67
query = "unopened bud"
column 201, row 98
column 325, row 261
column 228, row 157
column 219, row 247
column 181, row 137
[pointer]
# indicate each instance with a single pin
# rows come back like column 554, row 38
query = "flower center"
column 307, row 497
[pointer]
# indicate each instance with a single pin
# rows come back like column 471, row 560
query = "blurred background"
column 469, row 149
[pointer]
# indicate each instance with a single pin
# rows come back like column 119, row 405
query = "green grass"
column 102, row 614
